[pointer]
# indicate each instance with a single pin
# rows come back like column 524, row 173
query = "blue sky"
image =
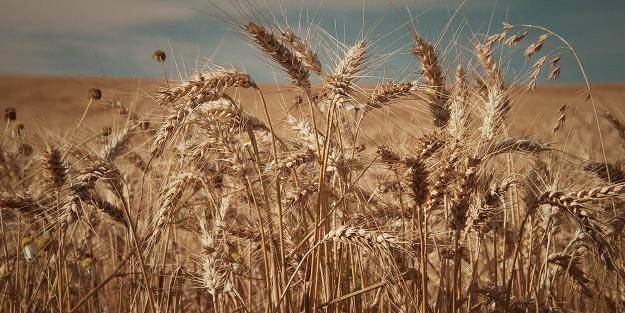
column 117, row 37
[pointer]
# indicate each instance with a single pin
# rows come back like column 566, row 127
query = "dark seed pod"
column 95, row 94
column 106, row 131
column 10, row 114
column 159, row 56
column 298, row 100
column 26, row 149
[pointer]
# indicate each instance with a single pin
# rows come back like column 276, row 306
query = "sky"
column 118, row 37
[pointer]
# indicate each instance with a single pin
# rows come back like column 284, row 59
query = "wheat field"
column 455, row 188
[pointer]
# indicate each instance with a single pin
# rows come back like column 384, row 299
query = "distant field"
column 57, row 103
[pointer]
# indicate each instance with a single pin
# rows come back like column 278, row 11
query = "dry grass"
column 214, row 200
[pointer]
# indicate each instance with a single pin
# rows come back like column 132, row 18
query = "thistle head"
column 106, row 131
column 10, row 114
column 159, row 56
column 95, row 94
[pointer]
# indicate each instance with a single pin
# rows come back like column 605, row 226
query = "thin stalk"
column 133, row 234
column 456, row 270
column 264, row 243
column 278, row 191
column 103, row 282
column 165, row 73
column 321, row 200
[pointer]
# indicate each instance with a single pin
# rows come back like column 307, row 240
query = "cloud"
column 86, row 15
column 117, row 37
column 333, row 6
column 386, row 4
column 83, row 36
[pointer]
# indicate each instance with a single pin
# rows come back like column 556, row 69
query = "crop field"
column 454, row 188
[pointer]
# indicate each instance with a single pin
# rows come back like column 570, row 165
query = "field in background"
column 55, row 104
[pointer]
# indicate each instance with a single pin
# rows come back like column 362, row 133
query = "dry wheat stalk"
column 202, row 83
column 55, row 167
column 436, row 191
column 169, row 202
column 306, row 132
column 575, row 199
column 516, row 145
column 462, row 196
column 204, row 87
column 300, row 195
column 292, row 162
column 572, row 204
column 433, row 74
column 388, row 156
column 497, row 38
column 536, row 46
column 23, row 203
column 352, row 63
column 338, row 86
column 362, row 238
column 215, row 275
column 82, row 191
column 105, row 171
column 517, row 38
column 497, row 102
column 536, row 68
column 302, row 51
column 418, row 181
column 458, row 113
column 484, row 53
column 386, row 93
column 571, row 267
column 561, row 119
column 429, row 144
column 554, row 73
column 108, row 208
column 277, row 51
column 118, row 143
column 489, row 214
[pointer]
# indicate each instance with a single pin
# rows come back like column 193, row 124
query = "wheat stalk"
column 277, row 51
column 55, row 167
column 433, row 74
column 302, row 51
